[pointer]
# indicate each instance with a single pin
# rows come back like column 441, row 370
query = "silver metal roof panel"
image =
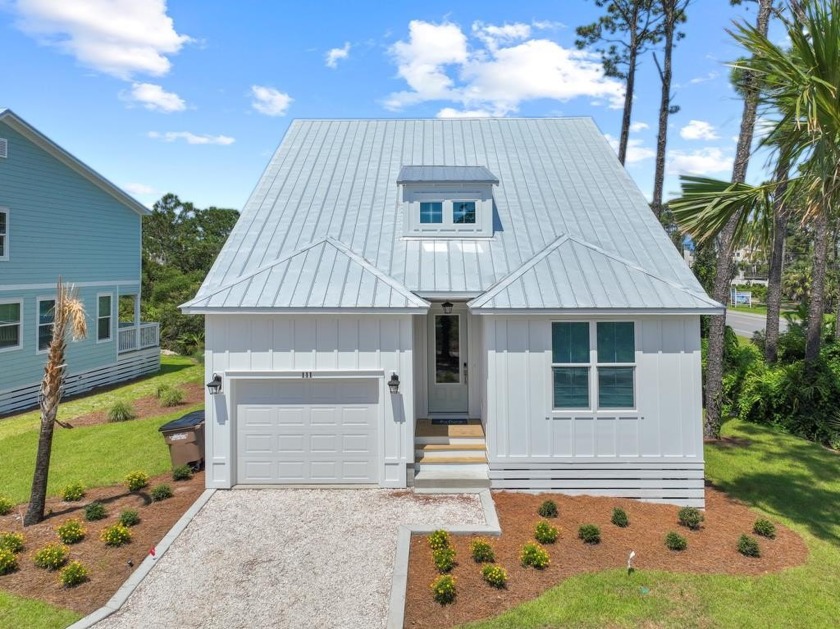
column 446, row 174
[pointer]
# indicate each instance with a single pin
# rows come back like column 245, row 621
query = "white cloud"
column 698, row 130
column 638, row 126
column 118, row 37
column 635, row 151
column 270, row 101
column 191, row 138
column 710, row 76
column 451, row 112
column 505, row 68
column 334, row 55
column 139, row 188
column 702, row 162
column 154, row 98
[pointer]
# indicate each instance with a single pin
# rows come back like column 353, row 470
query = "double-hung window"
column 4, row 234
column 103, row 318
column 10, row 325
column 575, row 362
column 46, row 319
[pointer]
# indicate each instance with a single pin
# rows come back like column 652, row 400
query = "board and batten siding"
column 653, row 452
column 325, row 345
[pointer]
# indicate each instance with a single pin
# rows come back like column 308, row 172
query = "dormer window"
column 447, row 201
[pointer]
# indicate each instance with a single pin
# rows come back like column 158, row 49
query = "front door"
column 448, row 360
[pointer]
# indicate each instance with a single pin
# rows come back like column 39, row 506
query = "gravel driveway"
column 286, row 558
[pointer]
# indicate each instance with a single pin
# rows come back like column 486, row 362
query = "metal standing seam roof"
column 446, row 174
column 331, row 191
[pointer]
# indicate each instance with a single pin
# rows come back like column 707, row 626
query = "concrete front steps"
column 450, row 457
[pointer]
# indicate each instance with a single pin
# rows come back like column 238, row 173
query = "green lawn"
column 786, row 478
column 24, row 612
column 759, row 309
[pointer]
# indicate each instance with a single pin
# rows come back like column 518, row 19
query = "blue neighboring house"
column 60, row 218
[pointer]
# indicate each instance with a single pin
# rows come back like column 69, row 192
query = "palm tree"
column 69, row 320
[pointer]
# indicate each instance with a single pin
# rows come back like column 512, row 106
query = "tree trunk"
column 669, row 26
column 777, row 262
column 817, row 295
column 628, row 98
column 38, row 495
column 726, row 246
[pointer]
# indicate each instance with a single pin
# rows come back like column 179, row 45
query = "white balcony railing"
column 138, row 337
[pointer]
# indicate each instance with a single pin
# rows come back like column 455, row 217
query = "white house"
column 507, row 273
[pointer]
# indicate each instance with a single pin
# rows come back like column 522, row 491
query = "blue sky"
column 193, row 96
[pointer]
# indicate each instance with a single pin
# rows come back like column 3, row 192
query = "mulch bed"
column 108, row 567
column 711, row 550
column 146, row 407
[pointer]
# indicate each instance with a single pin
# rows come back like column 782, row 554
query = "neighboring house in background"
column 59, row 218
column 507, row 273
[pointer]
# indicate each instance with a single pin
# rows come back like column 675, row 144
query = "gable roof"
column 446, row 174
column 323, row 276
column 337, row 179
column 17, row 123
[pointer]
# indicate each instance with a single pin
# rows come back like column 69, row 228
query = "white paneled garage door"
column 307, row 431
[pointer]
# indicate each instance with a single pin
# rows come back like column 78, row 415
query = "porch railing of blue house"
column 135, row 337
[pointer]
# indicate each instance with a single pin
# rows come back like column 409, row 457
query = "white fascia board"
column 302, row 311
column 237, row 374
column 444, row 296
column 603, row 312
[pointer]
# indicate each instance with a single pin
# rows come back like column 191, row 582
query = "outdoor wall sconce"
column 447, row 307
column 394, row 383
column 215, row 385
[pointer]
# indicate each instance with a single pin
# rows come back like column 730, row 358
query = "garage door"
column 307, row 431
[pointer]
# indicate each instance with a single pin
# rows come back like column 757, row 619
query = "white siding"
column 280, row 346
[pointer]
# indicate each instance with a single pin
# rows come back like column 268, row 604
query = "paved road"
column 745, row 323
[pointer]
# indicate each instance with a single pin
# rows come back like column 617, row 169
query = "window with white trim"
column 46, row 319
column 10, row 324
column 103, row 318
column 574, row 359
column 4, row 234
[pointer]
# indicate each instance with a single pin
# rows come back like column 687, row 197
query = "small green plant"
column 135, row 481
column 444, row 559
column 52, row 556
column 182, row 472
column 73, row 574
column 95, row 511
column 545, row 533
column 548, row 509
column 161, row 492
column 121, row 411
column 13, row 542
column 5, row 505
column 765, row 528
column 690, row 518
column 675, row 541
column 171, row 397
column 129, row 517
column 439, row 539
column 162, row 389
column 115, row 535
column 619, row 518
column 482, row 551
column 748, row 546
column 495, row 575
column 534, row 555
column 443, row 589
column 590, row 534
column 73, row 492
column 71, row 532
column 8, row 561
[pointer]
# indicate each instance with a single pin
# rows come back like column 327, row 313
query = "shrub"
column 129, row 517
column 52, row 556
column 534, row 555
column 8, row 561
column 748, row 546
column 73, row 574
column 95, row 511
column 590, row 534
column 5, row 505
column 443, row 589
column 494, row 575
column 161, row 492
column 690, row 518
column 619, row 517
column 548, row 509
column 544, row 533
column 136, row 481
column 172, row 397
column 115, row 535
column 162, row 389
column 121, row 411
column 444, row 559
column 439, row 539
column 182, row 472
column 765, row 528
column 482, row 551
column 13, row 542
column 675, row 541
column 71, row 532
column 73, row 492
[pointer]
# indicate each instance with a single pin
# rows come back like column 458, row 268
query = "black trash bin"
column 185, row 438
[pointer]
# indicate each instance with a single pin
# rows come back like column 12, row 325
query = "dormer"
column 447, row 201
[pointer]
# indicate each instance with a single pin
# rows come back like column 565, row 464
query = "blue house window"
column 463, row 212
column 46, row 318
column 10, row 325
column 570, row 364
column 103, row 318
column 4, row 234
column 616, row 350
column 431, row 212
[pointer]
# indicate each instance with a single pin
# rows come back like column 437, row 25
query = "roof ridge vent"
column 4, row 148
